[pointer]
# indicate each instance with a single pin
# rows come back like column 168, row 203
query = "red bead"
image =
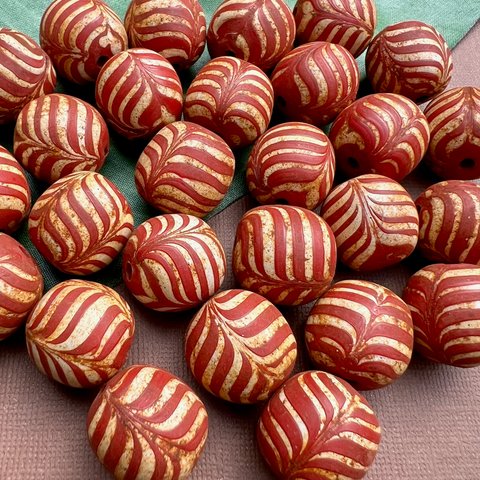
column 80, row 332
column 454, row 119
column 80, row 36
column 176, row 29
column 361, row 332
column 185, row 169
column 80, row 223
column 315, row 82
column 383, row 133
column 409, row 58
column 26, row 72
column 58, row 134
column 374, row 220
column 287, row 254
column 240, row 347
column 317, row 426
column 444, row 300
column 349, row 23
column 258, row 31
column 21, row 285
column 147, row 423
column 293, row 162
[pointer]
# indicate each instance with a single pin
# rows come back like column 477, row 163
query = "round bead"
column 185, row 169
column 173, row 262
column 374, row 220
column 147, row 423
column 80, row 332
column 139, row 92
column 176, row 29
column 384, row 133
column 315, row 82
column 293, row 162
column 58, row 134
column 80, row 36
column 454, row 119
column 21, row 285
column 361, row 332
column 258, row 31
column 240, row 347
column 316, row 426
column 449, row 213
column 349, row 23
column 26, row 72
column 287, row 254
column 15, row 197
column 232, row 98
column 80, row 223
column 444, row 301
column 409, row 58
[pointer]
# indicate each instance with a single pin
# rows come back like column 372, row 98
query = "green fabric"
column 452, row 18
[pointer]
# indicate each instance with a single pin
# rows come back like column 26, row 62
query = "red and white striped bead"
column 258, row 31
column 349, row 23
column 374, row 220
column 315, row 82
column 26, row 72
column 21, row 285
column 445, row 305
column 232, row 98
column 317, row 426
column 185, row 169
column 147, row 424
column 287, row 254
column 139, row 92
column 80, row 223
column 409, row 58
column 240, row 347
column 58, row 134
column 173, row 262
column 80, row 332
column 361, row 332
column 176, row 29
column 293, row 162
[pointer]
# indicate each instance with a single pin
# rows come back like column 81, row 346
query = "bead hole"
column 419, row 208
column 102, row 60
column 353, row 163
column 281, row 101
column 467, row 163
column 176, row 66
column 422, row 99
column 230, row 53
column 129, row 271
column 281, row 201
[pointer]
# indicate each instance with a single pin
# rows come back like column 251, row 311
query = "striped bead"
column 139, row 92
column 258, row 31
column 240, row 347
column 287, row 254
column 58, row 134
column 454, row 120
column 80, row 223
column 449, row 215
column 80, row 36
column 15, row 197
column 383, row 133
column 80, row 332
column 409, row 58
column 293, row 162
column 26, row 72
column 374, row 220
column 176, row 29
column 349, row 23
column 232, row 98
column 361, row 332
column 173, row 262
column 316, row 427
column 185, row 169
column 21, row 285
column 315, row 82
column 445, row 305
column 147, row 424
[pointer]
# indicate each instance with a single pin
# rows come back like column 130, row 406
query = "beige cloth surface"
column 430, row 417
